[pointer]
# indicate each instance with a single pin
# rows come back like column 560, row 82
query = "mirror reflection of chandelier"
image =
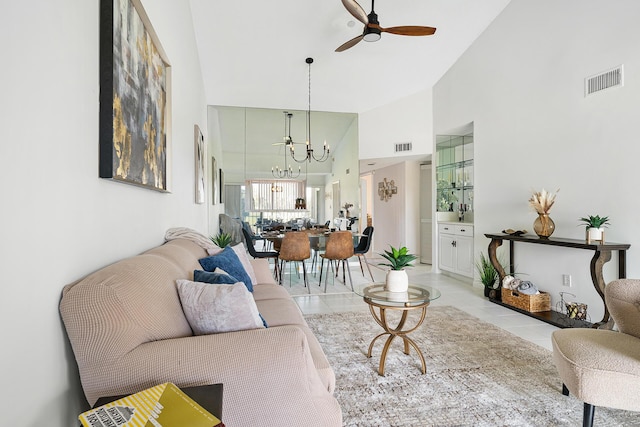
column 309, row 153
column 287, row 171
column 386, row 189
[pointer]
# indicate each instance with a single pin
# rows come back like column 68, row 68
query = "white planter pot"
column 594, row 234
column 397, row 281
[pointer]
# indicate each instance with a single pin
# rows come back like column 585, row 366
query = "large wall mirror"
column 252, row 144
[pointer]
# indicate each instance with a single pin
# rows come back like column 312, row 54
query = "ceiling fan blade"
column 407, row 30
column 354, row 41
column 356, row 10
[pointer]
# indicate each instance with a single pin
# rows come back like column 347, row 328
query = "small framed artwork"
column 214, row 181
column 135, row 98
column 221, row 186
column 199, row 165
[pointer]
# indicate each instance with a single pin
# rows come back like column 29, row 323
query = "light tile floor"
column 454, row 293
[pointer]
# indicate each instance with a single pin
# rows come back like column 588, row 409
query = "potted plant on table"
column 488, row 276
column 398, row 259
column 595, row 225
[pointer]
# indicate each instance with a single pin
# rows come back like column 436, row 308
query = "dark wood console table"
column 602, row 255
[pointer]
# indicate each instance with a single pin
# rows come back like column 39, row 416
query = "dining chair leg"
column 281, row 271
column 346, row 266
column 368, row 268
column 306, row 280
column 326, row 277
column 321, row 266
column 360, row 262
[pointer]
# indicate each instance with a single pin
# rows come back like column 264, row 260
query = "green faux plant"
column 487, row 272
column 221, row 239
column 398, row 258
column 595, row 221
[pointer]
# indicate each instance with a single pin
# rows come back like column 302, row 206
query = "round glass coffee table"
column 417, row 297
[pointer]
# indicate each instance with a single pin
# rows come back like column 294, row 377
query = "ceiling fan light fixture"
column 372, row 35
column 372, row 29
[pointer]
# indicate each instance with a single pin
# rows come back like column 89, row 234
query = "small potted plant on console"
column 595, row 225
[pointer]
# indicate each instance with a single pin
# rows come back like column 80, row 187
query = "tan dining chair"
column 339, row 248
column 295, row 247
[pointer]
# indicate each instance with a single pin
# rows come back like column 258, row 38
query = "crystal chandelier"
column 309, row 154
column 287, row 171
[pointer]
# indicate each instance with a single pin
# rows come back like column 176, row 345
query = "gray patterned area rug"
column 477, row 375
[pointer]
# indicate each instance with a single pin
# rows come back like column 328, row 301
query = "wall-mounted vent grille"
column 403, row 146
column 602, row 81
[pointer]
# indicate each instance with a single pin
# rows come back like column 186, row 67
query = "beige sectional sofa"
column 128, row 332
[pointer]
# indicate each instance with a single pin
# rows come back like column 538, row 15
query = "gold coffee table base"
column 381, row 319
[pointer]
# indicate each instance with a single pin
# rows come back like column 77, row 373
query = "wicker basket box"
column 530, row 303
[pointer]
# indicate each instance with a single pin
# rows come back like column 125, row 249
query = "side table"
column 417, row 297
column 207, row 396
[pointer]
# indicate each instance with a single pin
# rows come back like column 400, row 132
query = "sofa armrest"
column 259, row 368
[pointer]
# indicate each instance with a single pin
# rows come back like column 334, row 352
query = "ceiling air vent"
column 403, row 146
column 602, row 81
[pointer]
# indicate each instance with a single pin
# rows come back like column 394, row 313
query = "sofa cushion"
column 213, row 308
column 214, row 277
column 241, row 252
column 219, row 278
column 228, row 261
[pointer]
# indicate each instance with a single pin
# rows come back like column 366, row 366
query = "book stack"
column 164, row 405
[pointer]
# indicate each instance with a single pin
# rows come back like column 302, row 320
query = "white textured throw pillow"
column 211, row 308
column 241, row 251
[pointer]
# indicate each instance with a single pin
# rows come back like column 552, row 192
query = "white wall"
column 406, row 120
column 521, row 84
column 396, row 221
column 409, row 119
column 60, row 221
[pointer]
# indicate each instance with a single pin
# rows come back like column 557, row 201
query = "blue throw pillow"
column 264, row 322
column 228, row 261
column 215, row 278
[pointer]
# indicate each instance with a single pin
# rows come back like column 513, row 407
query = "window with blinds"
column 274, row 195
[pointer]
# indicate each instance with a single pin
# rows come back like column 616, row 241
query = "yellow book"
column 164, row 405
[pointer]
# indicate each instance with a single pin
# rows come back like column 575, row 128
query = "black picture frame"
column 221, row 186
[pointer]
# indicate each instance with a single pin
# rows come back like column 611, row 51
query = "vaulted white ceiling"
column 253, row 53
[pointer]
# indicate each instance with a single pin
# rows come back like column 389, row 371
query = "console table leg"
column 493, row 246
column 600, row 258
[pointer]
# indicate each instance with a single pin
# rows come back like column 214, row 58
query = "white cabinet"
column 455, row 248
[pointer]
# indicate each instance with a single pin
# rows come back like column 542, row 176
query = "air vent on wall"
column 602, row 81
column 403, row 146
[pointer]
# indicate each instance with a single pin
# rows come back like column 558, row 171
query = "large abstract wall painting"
column 135, row 97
